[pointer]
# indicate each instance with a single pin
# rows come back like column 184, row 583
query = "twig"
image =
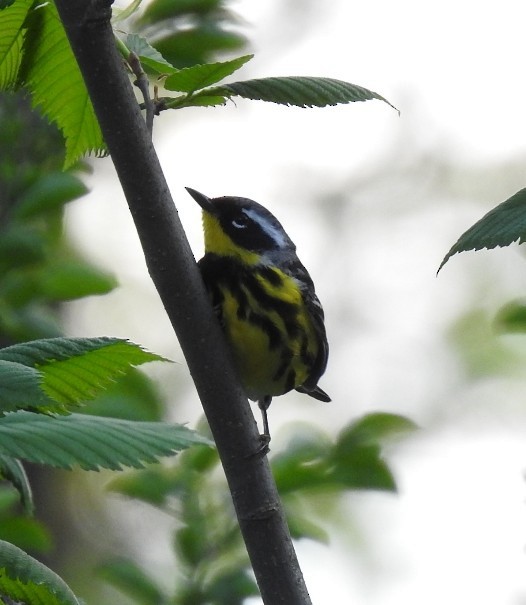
column 143, row 84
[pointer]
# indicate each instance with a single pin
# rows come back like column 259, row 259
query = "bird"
column 265, row 301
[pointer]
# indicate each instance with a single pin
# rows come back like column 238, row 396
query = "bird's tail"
column 316, row 392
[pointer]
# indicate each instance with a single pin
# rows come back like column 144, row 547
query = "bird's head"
column 237, row 226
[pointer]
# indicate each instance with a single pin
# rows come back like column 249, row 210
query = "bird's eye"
column 240, row 222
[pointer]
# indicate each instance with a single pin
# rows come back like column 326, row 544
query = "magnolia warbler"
column 264, row 299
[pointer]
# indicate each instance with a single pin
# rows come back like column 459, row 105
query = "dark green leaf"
column 187, row 47
column 232, row 588
column 69, row 280
column 33, row 320
column 362, row 468
column 197, row 100
column 21, row 387
column 148, row 55
column 38, row 352
column 50, row 192
column 25, row 579
column 299, row 91
column 132, row 580
column 357, row 457
column 90, row 442
column 194, row 78
column 12, row 470
column 501, row 226
column 20, row 245
column 192, row 544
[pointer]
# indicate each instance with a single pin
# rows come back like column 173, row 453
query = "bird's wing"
column 295, row 269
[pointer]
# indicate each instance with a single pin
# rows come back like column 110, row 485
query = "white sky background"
column 400, row 191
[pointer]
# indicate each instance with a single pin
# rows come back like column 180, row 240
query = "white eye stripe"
column 273, row 231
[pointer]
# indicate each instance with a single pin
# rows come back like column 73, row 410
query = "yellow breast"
column 272, row 338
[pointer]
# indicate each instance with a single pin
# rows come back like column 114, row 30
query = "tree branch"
column 173, row 270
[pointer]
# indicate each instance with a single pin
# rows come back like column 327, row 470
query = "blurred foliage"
column 39, row 271
column 187, row 32
column 212, row 562
column 512, row 318
column 481, row 352
column 19, row 529
column 38, row 267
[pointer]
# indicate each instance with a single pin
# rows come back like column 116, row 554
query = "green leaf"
column 132, row 580
column 9, row 498
column 194, row 78
column 152, row 485
column 232, row 588
column 133, row 397
column 20, row 245
column 501, row 226
column 511, row 318
column 49, row 192
column 157, row 484
column 69, row 280
column 50, row 72
column 363, row 468
column 91, row 442
column 26, row 533
column 299, row 91
column 374, row 429
column 25, row 579
column 12, row 35
column 76, row 369
column 192, row 544
column 357, row 458
column 195, row 45
column 303, row 464
column 12, row 470
column 21, row 387
column 354, row 461
column 148, row 55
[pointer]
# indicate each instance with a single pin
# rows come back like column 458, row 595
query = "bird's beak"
column 204, row 201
